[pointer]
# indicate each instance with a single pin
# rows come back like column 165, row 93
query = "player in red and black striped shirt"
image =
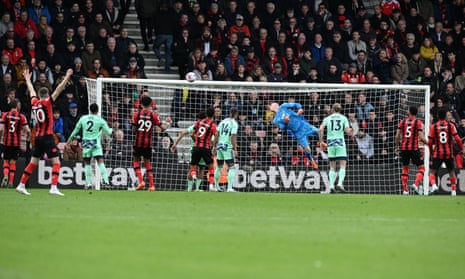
column 44, row 141
column 143, row 122
column 13, row 123
column 440, row 141
column 204, row 130
column 409, row 133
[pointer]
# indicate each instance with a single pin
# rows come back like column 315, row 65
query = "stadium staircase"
column 153, row 71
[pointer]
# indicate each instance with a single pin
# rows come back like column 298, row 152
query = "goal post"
column 374, row 110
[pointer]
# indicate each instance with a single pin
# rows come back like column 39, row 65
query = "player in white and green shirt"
column 92, row 126
column 336, row 125
column 226, row 148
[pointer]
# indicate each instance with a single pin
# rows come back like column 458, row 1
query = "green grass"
column 220, row 235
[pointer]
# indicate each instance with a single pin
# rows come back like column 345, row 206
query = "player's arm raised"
column 321, row 132
column 178, row 139
column 62, row 85
column 167, row 123
column 27, row 76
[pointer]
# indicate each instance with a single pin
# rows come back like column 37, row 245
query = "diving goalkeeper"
column 286, row 118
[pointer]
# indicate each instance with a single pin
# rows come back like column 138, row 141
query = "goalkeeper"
column 92, row 126
column 287, row 118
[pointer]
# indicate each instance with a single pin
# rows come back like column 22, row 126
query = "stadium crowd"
column 330, row 41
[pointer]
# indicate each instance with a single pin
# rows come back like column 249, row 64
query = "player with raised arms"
column 226, row 148
column 42, row 111
column 440, row 141
column 15, row 123
column 336, row 125
column 92, row 126
column 142, row 125
column 408, row 135
column 287, row 118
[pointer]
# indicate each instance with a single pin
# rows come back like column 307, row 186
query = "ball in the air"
column 191, row 77
column 286, row 119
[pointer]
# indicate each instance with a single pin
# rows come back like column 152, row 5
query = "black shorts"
column 414, row 155
column 45, row 144
column 10, row 152
column 201, row 153
column 145, row 152
column 436, row 163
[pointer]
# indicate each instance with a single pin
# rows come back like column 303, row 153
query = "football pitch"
column 119, row 234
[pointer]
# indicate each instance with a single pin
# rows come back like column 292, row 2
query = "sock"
column 211, row 177
column 55, row 173
column 88, row 171
column 148, row 167
column 27, row 173
column 332, row 177
column 432, row 179
column 193, row 171
column 309, row 155
column 6, row 168
column 190, row 183
column 404, row 178
column 11, row 176
column 103, row 171
column 342, row 175
column 198, row 182
column 136, row 165
column 453, row 183
column 231, row 177
column 217, row 176
column 419, row 176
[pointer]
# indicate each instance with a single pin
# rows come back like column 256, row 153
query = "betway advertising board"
column 360, row 179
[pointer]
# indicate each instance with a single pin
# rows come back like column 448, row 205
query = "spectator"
column 42, row 81
column 282, row 44
column 428, row 78
column 239, row 28
column 89, row 55
column 23, row 24
column 7, row 67
column 382, row 66
column 97, row 70
column 232, row 60
column 113, row 16
column 252, row 158
column 296, row 74
column 5, row 23
column 220, row 73
column 58, row 125
column 240, row 73
column 365, row 145
column 73, row 151
column 182, row 46
column 353, row 75
column 410, row 46
column 277, row 75
column 165, row 24
column 416, row 66
column 6, row 99
column 232, row 102
column 340, row 49
column 13, row 52
column 71, row 119
column 112, row 58
column 363, row 107
column 428, row 50
column 123, row 41
column 274, row 157
column 120, row 149
column 97, row 24
column 6, row 85
column 133, row 51
column 323, row 65
column 459, row 81
column 133, row 70
column 318, row 48
column 400, row 71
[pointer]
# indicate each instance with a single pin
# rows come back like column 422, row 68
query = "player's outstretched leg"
column 21, row 188
column 231, row 177
column 136, row 164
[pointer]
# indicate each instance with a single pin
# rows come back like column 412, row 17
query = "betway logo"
column 280, row 177
column 76, row 175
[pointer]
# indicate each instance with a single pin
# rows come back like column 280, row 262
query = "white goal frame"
column 99, row 85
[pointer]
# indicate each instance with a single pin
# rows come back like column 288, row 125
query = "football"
column 191, row 77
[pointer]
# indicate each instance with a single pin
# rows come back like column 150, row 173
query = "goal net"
column 269, row 159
